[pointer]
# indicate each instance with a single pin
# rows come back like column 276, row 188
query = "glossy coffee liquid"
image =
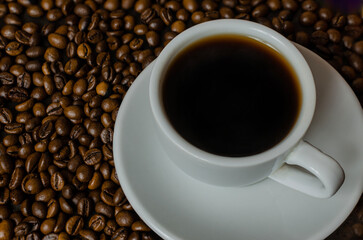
column 231, row 96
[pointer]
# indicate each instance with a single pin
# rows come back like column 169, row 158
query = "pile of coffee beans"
column 65, row 66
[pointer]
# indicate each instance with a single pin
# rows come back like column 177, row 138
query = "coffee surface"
column 231, row 96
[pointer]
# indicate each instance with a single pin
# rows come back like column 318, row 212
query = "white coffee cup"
column 292, row 162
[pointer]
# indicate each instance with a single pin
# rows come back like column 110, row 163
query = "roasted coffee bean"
column 110, row 227
column 73, row 112
column 334, row 35
column 57, row 181
column 68, row 191
column 32, row 161
column 86, row 233
column 82, row 10
column 107, row 195
column 338, row 21
column 57, row 40
column 309, row 5
column 54, row 14
column 10, row 140
column 8, row 31
column 18, row 94
column 3, row 42
column 290, row 5
column 53, row 208
column 51, row 54
column 33, row 236
column 148, row 236
column 61, row 222
column 356, row 62
column 140, row 226
column 31, row 184
column 5, row 116
column 45, row 130
column 7, row 229
column 7, row 78
column 45, row 178
column 84, row 51
column 4, row 195
column 24, row 80
column 14, row 128
column 16, row 197
column 59, row 81
column 71, row 68
column 5, row 63
column 45, row 195
column 274, row 5
column 21, row 59
column 63, row 126
column 125, row 218
column 104, row 209
column 25, row 207
column 65, row 206
column 166, row 15
column 63, row 236
column 95, row 181
column 74, row 225
column 4, row 179
column 22, row 229
column 44, row 162
column 51, row 236
column 22, row 37
column 33, row 222
column 14, row 48
column 84, row 173
column 147, row 15
column 84, row 207
column 97, row 222
column 16, row 178
column 47, row 226
column 71, row 50
column 120, row 234
column 190, row 5
column 357, row 47
column 92, row 156
column 156, row 24
column 34, row 11
column 80, row 87
column 319, row 38
column 308, row 18
column 55, row 145
column 134, row 236
column 54, row 109
column 78, row 196
column 39, row 210
column 25, row 106
column 354, row 31
column 118, row 197
column 33, row 66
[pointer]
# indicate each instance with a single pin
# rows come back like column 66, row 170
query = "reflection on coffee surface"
column 231, row 95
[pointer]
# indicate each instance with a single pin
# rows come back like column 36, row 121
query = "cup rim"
column 244, row 28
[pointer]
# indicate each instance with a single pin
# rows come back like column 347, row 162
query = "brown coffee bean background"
column 65, row 66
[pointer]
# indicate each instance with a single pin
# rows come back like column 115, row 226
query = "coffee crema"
column 231, row 95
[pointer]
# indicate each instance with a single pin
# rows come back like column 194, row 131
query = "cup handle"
column 310, row 171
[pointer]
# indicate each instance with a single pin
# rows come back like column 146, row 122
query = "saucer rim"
column 155, row 224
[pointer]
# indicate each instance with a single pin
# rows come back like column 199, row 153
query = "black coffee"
column 231, row 95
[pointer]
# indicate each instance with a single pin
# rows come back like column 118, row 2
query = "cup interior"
column 248, row 29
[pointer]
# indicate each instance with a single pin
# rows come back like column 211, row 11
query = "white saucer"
column 178, row 207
